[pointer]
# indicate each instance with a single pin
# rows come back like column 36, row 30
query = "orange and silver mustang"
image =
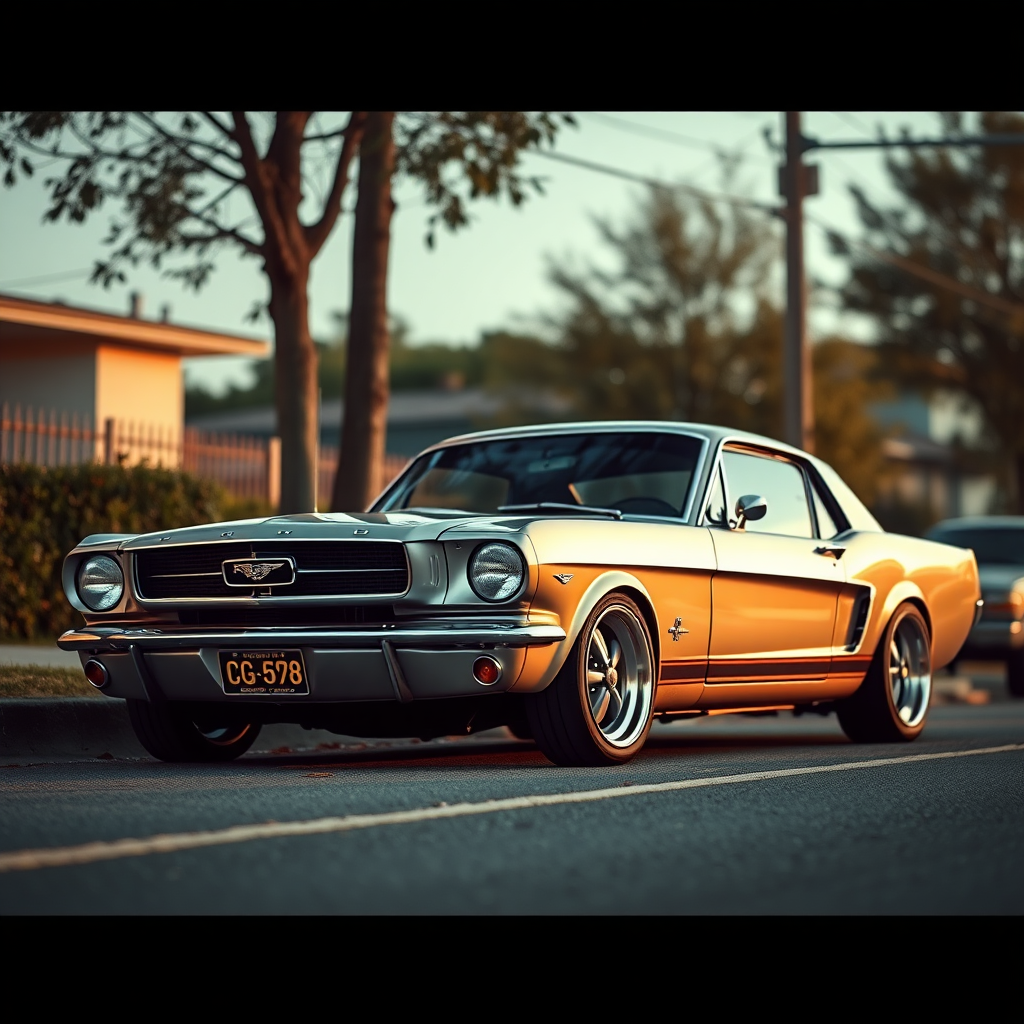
column 572, row 583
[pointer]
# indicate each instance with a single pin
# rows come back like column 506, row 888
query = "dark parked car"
column 998, row 546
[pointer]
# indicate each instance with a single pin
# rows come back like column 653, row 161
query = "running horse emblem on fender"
column 677, row 628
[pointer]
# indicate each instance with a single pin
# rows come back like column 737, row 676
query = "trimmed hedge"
column 46, row 511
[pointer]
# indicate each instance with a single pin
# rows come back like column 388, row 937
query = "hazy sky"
column 492, row 274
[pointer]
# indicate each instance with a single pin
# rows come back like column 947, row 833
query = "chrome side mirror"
column 750, row 508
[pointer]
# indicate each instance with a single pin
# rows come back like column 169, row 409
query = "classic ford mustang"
column 573, row 583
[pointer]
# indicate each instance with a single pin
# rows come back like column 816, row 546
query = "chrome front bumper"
column 401, row 663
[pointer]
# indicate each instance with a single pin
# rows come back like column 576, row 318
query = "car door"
column 776, row 588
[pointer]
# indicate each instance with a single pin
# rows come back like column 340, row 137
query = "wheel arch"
column 614, row 580
column 904, row 592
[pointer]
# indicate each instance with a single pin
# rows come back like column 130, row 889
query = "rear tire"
column 891, row 705
column 599, row 708
column 168, row 731
column 1015, row 673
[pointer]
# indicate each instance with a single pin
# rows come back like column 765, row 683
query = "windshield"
column 998, row 546
column 637, row 473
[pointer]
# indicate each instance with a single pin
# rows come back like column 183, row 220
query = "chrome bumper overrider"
column 408, row 662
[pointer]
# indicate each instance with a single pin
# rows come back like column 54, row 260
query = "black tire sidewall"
column 167, row 732
column 870, row 715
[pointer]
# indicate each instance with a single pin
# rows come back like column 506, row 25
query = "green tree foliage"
column 958, row 323
column 414, row 367
column 847, row 380
column 270, row 186
column 685, row 326
column 45, row 512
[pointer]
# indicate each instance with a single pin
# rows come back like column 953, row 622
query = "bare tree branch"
column 220, row 196
column 233, row 233
column 183, row 143
column 223, row 128
column 327, row 136
column 205, row 164
column 220, row 235
column 255, row 179
column 317, row 234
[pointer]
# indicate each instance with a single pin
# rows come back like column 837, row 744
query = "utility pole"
column 797, row 180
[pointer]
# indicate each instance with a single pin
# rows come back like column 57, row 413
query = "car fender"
column 904, row 590
column 544, row 663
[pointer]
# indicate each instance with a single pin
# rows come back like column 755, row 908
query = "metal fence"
column 246, row 466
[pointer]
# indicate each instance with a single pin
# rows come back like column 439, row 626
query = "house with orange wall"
column 101, row 368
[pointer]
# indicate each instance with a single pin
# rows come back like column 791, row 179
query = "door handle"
column 835, row 550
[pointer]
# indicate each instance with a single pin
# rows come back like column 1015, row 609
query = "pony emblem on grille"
column 257, row 571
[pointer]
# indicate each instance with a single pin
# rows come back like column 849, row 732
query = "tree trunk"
column 296, row 394
column 1018, row 465
column 364, row 421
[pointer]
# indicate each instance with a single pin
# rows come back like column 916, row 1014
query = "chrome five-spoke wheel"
column 599, row 707
column 620, row 686
column 910, row 673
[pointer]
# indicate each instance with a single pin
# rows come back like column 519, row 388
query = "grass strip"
column 38, row 681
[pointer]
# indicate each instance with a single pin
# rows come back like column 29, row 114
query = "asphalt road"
column 900, row 833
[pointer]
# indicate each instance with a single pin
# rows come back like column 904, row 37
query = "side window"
column 827, row 527
column 716, row 514
column 780, row 483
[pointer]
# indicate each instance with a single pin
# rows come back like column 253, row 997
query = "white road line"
column 87, row 853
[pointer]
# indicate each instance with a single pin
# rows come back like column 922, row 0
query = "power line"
column 618, row 172
column 923, row 272
column 66, row 275
column 853, row 122
column 662, row 134
column 906, row 142
column 926, row 273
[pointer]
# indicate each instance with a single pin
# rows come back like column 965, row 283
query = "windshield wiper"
column 560, row 506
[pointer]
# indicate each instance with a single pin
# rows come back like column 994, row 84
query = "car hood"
column 999, row 577
column 404, row 526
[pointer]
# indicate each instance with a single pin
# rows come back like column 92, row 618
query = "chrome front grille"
column 322, row 569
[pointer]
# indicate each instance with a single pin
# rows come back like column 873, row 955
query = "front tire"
column 891, row 705
column 598, row 709
column 170, row 732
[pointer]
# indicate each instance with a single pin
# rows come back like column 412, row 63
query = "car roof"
column 980, row 523
column 857, row 514
column 711, row 432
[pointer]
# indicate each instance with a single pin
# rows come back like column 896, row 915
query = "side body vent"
column 858, row 621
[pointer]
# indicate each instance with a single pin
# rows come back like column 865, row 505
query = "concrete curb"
column 94, row 726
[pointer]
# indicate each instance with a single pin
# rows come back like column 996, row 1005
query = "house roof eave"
column 129, row 331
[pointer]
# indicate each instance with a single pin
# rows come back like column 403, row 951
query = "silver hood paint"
column 408, row 527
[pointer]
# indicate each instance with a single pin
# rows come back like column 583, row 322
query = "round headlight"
column 496, row 572
column 100, row 583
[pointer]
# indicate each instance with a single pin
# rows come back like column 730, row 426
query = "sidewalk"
column 43, row 655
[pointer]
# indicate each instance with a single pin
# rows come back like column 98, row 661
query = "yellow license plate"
column 270, row 673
